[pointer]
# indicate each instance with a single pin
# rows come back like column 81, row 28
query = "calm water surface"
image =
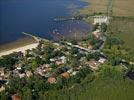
column 36, row 16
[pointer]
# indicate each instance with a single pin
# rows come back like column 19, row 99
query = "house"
column 2, row 88
column 18, row 66
column 74, row 73
column 78, row 68
column 40, row 71
column 65, row 75
column 82, row 59
column 47, row 75
column 90, row 47
column 43, row 69
column 93, row 64
column 101, row 60
column 57, row 44
column 67, row 52
column 61, row 60
column 101, row 19
column 52, row 60
column 15, row 97
column 131, row 63
column 47, row 65
column 70, row 71
column 2, row 74
column 21, row 75
column 29, row 74
column 97, row 33
column 52, row 80
column 15, row 72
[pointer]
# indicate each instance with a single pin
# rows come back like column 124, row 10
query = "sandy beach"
column 16, row 44
column 22, row 49
column 19, row 45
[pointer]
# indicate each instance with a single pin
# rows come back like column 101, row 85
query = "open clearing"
column 109, row 90
column 120, row 7
column 123, row 8
column 123, row 29
column 95, row 6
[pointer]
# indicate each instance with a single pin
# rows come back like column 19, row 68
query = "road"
column 80, row 47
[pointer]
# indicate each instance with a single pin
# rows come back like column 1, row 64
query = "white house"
column 101, row 19
column 101, row 60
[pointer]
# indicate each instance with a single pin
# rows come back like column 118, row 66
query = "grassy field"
column 123, row 29
column 109, row 90
column 120, row 7
column 94, row 6
column 123, row 8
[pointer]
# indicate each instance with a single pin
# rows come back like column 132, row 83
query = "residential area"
column 52, row 60
column 57, row 64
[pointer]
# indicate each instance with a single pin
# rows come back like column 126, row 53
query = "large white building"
column 101, row 19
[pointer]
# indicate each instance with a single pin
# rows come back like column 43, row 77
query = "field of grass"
column 123, row 29
column 109, row 90
column 123, row 8
column 120, row 7
column 95, row 6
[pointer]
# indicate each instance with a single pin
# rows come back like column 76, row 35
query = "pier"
column 78, row 17
column 38, row 39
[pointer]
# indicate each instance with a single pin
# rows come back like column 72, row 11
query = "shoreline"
column 17, row 44
column 27, row 42
column 22, row 49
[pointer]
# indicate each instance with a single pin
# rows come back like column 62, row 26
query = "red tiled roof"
column 51, row 80
column 15, row 97
column 65, row 75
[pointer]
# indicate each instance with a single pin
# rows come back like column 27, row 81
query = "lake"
column 37, row 17
column 130, row 75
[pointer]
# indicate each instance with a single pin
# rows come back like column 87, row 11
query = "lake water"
column 36, row 17
column 130, row 75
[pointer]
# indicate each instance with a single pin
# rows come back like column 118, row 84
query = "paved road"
column 80, row 47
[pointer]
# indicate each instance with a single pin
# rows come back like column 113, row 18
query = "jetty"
column 77, row 17
column 38, row 39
